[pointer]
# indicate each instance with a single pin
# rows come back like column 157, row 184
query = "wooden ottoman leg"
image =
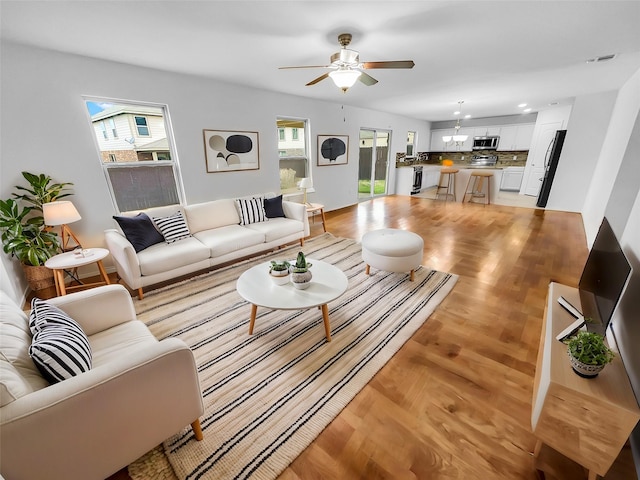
column 411, row 275
column 366, row 270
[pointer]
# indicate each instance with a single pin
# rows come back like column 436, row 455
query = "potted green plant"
column 588, row 353
column 24, row 234
column 300, row 274
column 279, row 271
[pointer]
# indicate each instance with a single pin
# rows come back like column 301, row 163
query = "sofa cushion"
column 224, row 240
column 277, row 228
column 163, row 257
column 59, row 348
column 119, row 341
column 214, row 214
column 173, row 228
column 273, row 207
column 18, row 374
column 139, row 230
column 251, row 210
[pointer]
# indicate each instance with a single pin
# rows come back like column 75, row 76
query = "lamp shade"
column 460, row 138
column 447, row 138
column 345, row 78
column 60, row 213
column 306, row 183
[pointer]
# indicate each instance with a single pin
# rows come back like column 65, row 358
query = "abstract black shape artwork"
column 227, row 151
column 333, row 149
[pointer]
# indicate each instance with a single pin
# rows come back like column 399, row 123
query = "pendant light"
column 456, row 138
column 344, row 78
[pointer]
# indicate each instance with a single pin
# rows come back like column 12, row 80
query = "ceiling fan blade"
column 390, row 64
column 305, row 66
column 367, row 79
column 319, row 79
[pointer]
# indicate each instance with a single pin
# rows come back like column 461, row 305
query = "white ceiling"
column 493, row 55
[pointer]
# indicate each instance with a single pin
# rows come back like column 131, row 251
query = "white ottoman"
column 392, row 250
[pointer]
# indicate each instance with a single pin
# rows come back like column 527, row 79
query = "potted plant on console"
column 24, row 234
column 279, row 271
column 300, row 274
column 588, row 354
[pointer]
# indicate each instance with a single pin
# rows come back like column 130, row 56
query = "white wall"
column 586, row 131
column 613, row 150
column 45, row 128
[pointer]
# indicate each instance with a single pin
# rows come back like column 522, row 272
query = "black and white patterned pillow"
column 251, row 210
column 59, row 348
column 173, row 228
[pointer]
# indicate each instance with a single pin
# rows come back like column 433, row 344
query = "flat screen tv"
column 604, row 278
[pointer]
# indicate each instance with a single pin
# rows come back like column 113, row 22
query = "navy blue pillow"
column 273, row 207
column 139, row 230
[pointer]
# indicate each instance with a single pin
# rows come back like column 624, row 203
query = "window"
column 103, row 128
column 293, row 154
column 140, row 172
column 141, row 125
column 411, row 141
column 112, row 126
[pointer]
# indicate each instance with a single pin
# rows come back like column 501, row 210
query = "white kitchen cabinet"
column 437, row 145
column 516, row 137
column 511, row 178
column 430, row 176
column 490, row 131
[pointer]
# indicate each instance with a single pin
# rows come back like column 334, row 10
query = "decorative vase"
column 279, row 277
column 583, row 369
column 301, row 280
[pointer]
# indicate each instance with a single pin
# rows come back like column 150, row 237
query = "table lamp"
column 305, row 183
column 62, row 213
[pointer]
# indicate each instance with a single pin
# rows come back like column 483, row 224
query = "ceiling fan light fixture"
column 345, row 78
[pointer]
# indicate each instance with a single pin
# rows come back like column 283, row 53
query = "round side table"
column 64, row 262
column 313, row 208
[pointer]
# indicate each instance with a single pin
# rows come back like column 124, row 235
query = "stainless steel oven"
column 417, row 179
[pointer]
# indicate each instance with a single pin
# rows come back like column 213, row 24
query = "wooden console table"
column 586, row 420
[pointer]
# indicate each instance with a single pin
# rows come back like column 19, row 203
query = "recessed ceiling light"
column 553, row 104
column 467, row 116
column 526, row 110
column 522, row 105
column 456, row 112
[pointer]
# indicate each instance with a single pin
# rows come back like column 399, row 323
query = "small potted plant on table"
column 279, row 271
column 300, row 274
column 588, row 354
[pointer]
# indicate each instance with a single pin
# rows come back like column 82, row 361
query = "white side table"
column 70, row 261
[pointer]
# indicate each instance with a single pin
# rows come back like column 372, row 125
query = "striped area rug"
column 268, row 395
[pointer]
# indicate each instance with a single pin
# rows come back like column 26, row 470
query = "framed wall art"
column 333, row 149
column 230, row 151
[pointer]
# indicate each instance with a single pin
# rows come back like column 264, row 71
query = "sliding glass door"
column 374, row 163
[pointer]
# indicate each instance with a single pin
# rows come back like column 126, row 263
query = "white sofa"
column 217, row 238
column 138, row 392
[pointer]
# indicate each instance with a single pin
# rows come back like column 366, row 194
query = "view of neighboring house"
column 131, row 134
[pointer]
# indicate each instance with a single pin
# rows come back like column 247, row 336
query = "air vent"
column 603, row 58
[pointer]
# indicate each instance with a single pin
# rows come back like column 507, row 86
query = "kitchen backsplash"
column 505, row 159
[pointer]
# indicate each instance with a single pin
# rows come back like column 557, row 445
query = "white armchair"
column 138, row 392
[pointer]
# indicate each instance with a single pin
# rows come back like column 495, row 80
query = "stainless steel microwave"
column 485, row 143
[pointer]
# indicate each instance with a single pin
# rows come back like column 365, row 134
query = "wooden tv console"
column 586, row 420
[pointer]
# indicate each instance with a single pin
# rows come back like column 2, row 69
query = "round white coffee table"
column 327, row 284
column 70, row 261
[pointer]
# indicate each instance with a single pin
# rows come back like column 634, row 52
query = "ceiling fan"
column 347, row 68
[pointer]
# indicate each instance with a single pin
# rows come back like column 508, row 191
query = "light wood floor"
column 455, row 401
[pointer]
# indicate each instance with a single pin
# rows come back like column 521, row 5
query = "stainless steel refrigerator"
column 550, row 165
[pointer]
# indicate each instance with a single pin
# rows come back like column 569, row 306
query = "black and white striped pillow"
column 59, row 348
column 173, row 228
column 251, row 210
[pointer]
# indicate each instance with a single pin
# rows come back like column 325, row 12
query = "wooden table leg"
column 327, row 325
column 59, row 274
column 103, row 272
column 254, row 309
column 324, row 220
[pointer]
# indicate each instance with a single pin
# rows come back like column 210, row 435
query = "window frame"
column 308, row 157
column 106, row 166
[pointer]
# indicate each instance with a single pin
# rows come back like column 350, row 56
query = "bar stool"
column 477, row 188
column 447, row 184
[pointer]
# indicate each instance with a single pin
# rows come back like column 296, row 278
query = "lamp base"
column 67, row 234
